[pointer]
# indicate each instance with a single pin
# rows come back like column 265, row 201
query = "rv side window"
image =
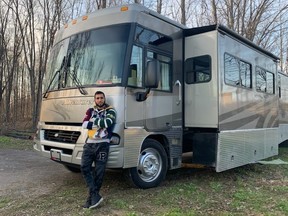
column 162, row 46
column 135, row 73
column 198, row 69
column 237, row 72
column 282, row 85
column 265, row 81
column 152, row 38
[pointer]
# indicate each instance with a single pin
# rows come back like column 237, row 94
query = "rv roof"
column 225, row 30
column 110, row 16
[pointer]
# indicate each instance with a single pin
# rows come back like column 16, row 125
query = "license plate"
column 55, row 154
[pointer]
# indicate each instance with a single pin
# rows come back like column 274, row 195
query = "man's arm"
column 86, row 123
column 108, row 121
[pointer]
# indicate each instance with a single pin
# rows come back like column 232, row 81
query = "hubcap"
column 150, row 165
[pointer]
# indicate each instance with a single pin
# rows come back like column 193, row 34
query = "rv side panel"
column 283, row 107
column 248, row 104
column 201, row 96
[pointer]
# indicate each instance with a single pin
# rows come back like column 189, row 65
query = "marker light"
column 84, row 17
column 124, row 8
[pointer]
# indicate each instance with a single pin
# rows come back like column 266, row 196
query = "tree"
column 259, row 21
column 4, row 17
column 24, row 13
column 50, row 23
column 159, row 6
column 11, row 48
column 28, row 27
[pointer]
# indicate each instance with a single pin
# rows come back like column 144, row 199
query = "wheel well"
column 164, row 142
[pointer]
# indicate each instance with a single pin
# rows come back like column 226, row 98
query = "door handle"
column 178, row 83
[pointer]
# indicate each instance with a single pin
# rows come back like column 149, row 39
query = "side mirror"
column 152, row 74
column 152, row 77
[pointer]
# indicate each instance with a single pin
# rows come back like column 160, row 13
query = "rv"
column 198, row 96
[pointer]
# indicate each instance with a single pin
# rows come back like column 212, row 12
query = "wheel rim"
column 150, row 165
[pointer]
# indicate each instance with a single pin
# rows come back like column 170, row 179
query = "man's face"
column 99, row 100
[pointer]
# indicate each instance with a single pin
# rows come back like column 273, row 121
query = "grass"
column 253, row 189
column 13, row 143
column 4, row 202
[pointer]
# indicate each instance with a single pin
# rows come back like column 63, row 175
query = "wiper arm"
column 77, row 82
column 74, row 77
column 45, row 95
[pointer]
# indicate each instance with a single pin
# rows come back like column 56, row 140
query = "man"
column 99, row 121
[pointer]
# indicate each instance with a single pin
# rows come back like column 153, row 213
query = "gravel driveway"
column 27, row 173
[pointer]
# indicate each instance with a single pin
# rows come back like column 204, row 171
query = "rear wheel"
column 152, row 165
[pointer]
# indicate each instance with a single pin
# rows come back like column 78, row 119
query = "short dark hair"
column 99, row 92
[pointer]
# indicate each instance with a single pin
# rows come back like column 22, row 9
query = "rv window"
column 198, row 69
column 95, row 57
column 265, row 81
column 135, row 74
column 270, row 83
column 160, row 47
column 282, row 85
column 155, row 39
column 237, row 72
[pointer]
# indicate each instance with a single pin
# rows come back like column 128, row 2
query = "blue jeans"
column 97, row 153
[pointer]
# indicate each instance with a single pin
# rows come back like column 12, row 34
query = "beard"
column 101, row 106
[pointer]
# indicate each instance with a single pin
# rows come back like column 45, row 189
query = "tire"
column 152, row 165
column 72, row 168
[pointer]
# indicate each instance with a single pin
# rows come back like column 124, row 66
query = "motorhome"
column 205, row 94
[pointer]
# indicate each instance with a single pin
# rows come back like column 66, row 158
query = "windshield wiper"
column 45, row 95
column 77, row 82
column 66, row 63
column 74, row 77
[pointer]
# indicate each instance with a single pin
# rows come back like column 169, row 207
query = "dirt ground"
column 27, row 173
column 33, row 185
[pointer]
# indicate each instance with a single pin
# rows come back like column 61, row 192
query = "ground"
column 27, row 173
column 33, row 185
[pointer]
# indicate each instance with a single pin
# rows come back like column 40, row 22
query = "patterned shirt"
column 99, row 123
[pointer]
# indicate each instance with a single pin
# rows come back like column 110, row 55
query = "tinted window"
column 237, row 72
column 136, row 74
column 198, row 69
column 152, row 38
column 265, row 81
column 151, row 45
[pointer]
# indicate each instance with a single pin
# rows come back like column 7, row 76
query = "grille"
column 61, row 136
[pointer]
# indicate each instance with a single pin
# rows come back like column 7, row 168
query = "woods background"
column 27, row 29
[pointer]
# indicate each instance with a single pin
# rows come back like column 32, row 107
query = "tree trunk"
column 183, row 12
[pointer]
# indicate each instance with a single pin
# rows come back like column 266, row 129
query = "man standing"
column 99, row 121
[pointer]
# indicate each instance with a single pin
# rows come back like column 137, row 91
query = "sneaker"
column 96, row 200
column 88, row 202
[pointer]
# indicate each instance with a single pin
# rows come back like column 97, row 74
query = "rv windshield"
column 92, row 57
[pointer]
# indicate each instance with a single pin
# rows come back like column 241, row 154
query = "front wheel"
column 152, row 165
